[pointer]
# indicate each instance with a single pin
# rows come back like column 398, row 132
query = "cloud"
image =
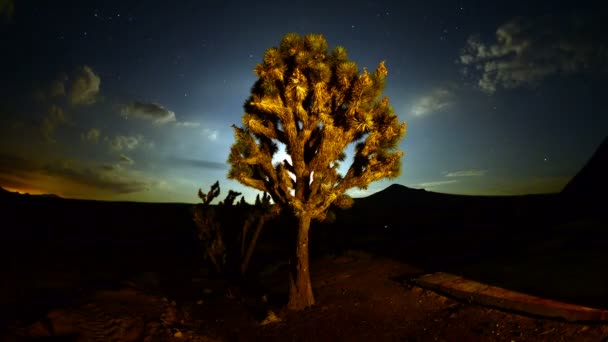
column 84, row 87
column 187, row 124
column 527, row 51
column 210, row 134
column 126, row 160
column 436, row 183
column 148, row 111
column 54, row 118
column 92, row 136
column 10, row 164
column 97, row 178
column 127, row 143
column 466, row 173
column 198, row 163
column 437, row 100
column 66, row 174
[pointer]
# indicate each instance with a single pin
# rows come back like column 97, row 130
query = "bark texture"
column 300, row 286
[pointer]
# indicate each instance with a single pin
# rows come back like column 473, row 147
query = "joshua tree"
column 315, row 103
column 224, row 227
column 209, row 229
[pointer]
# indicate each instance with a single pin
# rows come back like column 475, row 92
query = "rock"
column 270, row 318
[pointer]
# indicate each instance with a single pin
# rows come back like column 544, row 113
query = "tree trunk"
column 300, row 288
column 252, row 243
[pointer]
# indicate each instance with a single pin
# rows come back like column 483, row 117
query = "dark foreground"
column 89, row 271
column 360, row 298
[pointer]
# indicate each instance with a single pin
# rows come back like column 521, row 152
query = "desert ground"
column 87, row 270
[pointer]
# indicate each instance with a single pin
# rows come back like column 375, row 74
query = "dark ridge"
column 583, row 195
column 4, row 192
column 591, row 180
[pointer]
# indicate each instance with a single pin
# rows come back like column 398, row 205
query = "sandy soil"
column 359, row 298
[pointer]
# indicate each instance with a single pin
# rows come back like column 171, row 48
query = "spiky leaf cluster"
column 222, row 229
column 316, row 103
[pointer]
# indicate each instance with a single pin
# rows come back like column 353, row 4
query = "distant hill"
column 397, row 195
column 592, row 179
column 586, row 192
column 394, row 193
column 399, row 205
column 4, row 192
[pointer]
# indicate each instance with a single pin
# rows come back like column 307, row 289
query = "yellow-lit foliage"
column 316, row 103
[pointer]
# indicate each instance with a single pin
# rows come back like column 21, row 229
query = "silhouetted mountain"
column 418, row 209
column 397, row 195
column 585, row 194
column 592, row 179
column 4, row 192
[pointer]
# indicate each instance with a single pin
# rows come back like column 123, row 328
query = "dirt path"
column 365, row 298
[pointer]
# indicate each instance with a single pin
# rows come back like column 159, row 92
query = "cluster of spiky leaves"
column 227, row 226
column 316, row 103
column 209, row 229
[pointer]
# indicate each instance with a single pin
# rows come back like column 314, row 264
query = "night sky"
column 133, row 100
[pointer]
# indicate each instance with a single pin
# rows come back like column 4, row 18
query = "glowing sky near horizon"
column 123, row 100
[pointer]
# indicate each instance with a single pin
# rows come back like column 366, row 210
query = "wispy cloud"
column 110, row 181
column 528, row 50
column 435, row 101
column 211, row 134
column 148, row 111
column 126, row 160
column 128, row 142
column 84, row 88
column 54, row 118
column 467, row 173
column 190, row 124
column 25, row 173
column 436, row 183
column 92, row 135
column 197, row 163
column 80, row 87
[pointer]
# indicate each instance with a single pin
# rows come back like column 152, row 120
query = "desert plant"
column 261, row 213
column 223, row 227
column 208, row 227
column 315, row 103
